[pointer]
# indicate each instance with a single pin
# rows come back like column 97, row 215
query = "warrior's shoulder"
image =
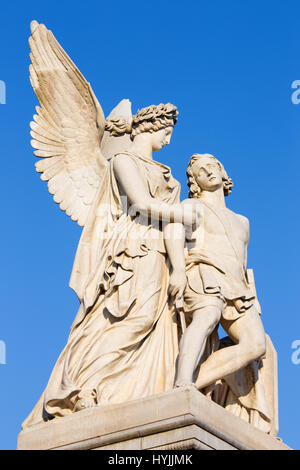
column 242, row 219
column 192, row 201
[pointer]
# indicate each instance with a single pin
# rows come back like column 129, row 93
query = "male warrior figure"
column 210, row 274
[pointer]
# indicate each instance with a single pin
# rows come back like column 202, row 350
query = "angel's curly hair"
column 194, row 188
column 118, row 126
column 153, row 118
column 150, row 119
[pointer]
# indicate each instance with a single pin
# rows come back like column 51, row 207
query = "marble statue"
column 144, row 260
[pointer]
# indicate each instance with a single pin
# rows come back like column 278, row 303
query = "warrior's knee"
column 253, row 348
column 207, row 318
column 259, row 348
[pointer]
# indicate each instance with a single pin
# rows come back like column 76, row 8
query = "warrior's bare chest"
column 223, row 224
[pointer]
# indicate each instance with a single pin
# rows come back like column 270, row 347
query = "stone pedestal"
column 178, row 419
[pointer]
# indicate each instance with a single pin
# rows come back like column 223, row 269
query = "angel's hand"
column 177, row 285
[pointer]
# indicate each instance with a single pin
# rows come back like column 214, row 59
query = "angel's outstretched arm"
column 140, row 199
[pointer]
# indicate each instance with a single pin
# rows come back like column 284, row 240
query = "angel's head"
column 158, row 121
column 206, row 173
column 155, row 123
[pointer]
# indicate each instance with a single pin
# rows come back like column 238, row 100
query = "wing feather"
column 67, row 128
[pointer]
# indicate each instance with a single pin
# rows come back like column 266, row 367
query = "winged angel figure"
column 123, row 342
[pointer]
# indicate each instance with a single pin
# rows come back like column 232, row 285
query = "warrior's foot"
column 86, row 399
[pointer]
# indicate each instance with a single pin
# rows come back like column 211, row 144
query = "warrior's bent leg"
column 248, row 332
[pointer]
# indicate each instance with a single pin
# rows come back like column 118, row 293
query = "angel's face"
column 161, row 138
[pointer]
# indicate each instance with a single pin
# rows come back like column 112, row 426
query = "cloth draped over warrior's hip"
column 209, row 277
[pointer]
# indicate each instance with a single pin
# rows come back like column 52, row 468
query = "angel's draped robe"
column 123, row 343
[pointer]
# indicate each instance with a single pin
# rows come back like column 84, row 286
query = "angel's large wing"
column 68, row 127
column 113, row 143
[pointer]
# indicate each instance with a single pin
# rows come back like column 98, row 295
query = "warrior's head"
column 206, row 173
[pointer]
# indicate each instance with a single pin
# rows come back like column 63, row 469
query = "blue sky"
column 228, row 66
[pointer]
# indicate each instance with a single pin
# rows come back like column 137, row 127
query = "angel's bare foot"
column 86, row 399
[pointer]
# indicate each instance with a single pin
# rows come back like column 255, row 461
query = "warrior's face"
column 207, row 173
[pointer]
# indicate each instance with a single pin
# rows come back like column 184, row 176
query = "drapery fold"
column 123, row 342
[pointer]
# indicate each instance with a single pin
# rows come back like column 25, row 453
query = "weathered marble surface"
column 179, row 419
